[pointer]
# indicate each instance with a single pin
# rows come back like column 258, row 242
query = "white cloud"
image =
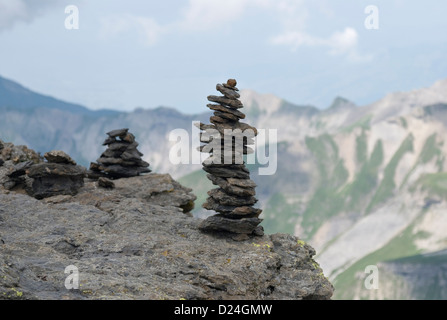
column 198, row 16
column 343, row 42
column 294, row 16
column 296, row 39
column 346, row 43
column 148, row 29
column 13, row 11
column 203, row 14
column 339, row 43
column 206, row 15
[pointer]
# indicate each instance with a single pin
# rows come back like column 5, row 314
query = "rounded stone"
column 232, row 83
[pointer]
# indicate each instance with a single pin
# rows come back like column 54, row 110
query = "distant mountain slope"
column 16, row 97
column 45, row 123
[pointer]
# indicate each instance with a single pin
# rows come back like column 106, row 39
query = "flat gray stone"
column 118, row 133
column 227, row 172
column 220, row 196
column 243, row 183
column 219, row 223
column 117, row 171
column 223, row 109
column 226, row 115
column 227, row 92
column 122, row 146
column 131, row 154
column 108, row 141
column 58, row 156
column 55, row 169
column 226, row 102
column 232, row 189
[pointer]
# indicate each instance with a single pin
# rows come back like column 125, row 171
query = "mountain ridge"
column 14, row 95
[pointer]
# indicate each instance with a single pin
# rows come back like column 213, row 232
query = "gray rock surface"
column 136, row 242
column 139, row 241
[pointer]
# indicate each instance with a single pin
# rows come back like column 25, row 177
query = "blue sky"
column 129, row 54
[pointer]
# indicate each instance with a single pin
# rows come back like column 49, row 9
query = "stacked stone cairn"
column 121, row 158
column 227, row 140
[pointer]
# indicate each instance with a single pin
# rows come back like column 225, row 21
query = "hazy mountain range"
column 365, row 185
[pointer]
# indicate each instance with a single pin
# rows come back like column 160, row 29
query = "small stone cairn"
column 121, row 158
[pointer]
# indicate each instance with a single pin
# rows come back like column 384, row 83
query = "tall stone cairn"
column 227, row 140
column 121, row 158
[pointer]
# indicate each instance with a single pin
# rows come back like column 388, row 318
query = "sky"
column 135, row 53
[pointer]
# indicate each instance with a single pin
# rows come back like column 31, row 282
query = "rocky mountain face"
column 364, row 185
column 139, row 241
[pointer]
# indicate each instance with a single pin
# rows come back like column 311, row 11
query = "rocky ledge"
column 137, row 241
